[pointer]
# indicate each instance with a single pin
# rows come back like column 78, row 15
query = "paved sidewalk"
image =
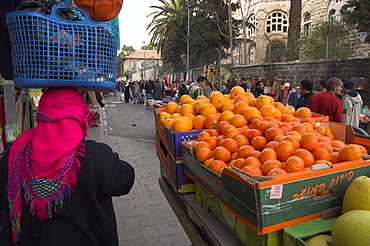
column 144, row 216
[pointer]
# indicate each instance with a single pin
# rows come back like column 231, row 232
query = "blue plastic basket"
column 49, row 51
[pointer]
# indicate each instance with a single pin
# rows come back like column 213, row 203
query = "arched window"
column 307, row 24
column 277, row 22
column 252, row 26
column 332, row 17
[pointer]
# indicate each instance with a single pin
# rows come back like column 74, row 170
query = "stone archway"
column 277, row 51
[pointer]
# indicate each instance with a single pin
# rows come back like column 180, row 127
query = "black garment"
column 183, row 91
column 149, row 88
column 127, row 93
column 88, row 217
column 303, row 100
column 257, row 92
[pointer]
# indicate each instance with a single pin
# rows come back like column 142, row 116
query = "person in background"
column 126, row 92
column 260, row 89
column 136, row 92
column 248, row 88
column 293, row 96
column 306, row 92
column 352, row 104
column 207, row 89
column 183, row 90
column 197, row 89
column 149, row 86
column 327, row 103
column 230, row 84
column 322, row 85
column 94, row 99
column 56, row 187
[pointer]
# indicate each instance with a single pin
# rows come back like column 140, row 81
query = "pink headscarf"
column 43, row 160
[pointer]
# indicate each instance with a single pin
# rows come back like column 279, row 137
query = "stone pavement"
column 144, row 216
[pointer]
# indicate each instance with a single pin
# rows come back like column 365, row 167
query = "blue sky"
column 133, row 20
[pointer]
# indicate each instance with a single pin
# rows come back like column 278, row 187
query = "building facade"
column 142, row 64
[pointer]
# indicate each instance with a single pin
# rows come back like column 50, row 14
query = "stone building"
column 142, row 64
column 268, row 34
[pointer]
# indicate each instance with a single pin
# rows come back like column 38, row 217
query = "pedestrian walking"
column 352, row 104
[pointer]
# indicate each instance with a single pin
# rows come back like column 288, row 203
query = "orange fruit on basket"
column 239, row 107
column 255, row 153
column 303, row 112
column 363, row 149
column 251, row 133
column 334, row 158
column 227, row 127
column 262, row 126
column 198, row 122
column 239, row 98
column 218, row 166
column 190, row 116
column 321, row 154
column 239, row 163
column 268, row 110
column 238, row 120
column 289, row 109
column 249, row 112
column 254, row 161
column 229, row 144
column 276, row 172
column 330, row 135
column 287, row 117
column 309, row 141
column 306, row 156
column 198, row 106
column 182, row 124
column 273, row 132
column 350, row 152
column 259, row 142
column 254, row 123
column 221, row 153
column 213, row 132
column 163, row 117
column 244, row 151
column 211, row 120
column 176, row 116
column 241, row 140
column 186, row 108
column 284, row 150
column 321, row 130
column 171, row 107
column 168, row 122
column 232, row 133
column 208, row 109
column 269, row 165
column 203, row 154
column 310, row 121
column 296, row 142
column 252, row 170
column 299, row 128
column 228, row 107
column 294, row 164
column 208, row 162
column 212, row 142
column 326, row 146
column 191, row 102
column 221, row 124
column 279, row 138
column 184, row 99
column 295, row 133
column 252, row 102
column 201, row 144
column 203, row 135
column 279, row 106
column 226, row 116
column 272, row 144
column 236, row 90
column 268, row 154
column 217, row 99
column 337, row 144
column 325, row 139
column 264, row 100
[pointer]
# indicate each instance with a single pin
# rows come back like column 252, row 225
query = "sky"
column 133, row 21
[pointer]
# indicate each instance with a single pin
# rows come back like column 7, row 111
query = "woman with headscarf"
column 137, row 92
column 55, row 186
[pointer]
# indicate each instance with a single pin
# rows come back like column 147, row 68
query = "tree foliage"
column 334, row 38
column 125, row 51
column 356, row 13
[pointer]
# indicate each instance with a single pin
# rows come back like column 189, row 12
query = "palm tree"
column 164, row 18
column 294, row 30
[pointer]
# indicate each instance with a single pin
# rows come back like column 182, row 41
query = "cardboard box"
column 295, row 235
column 174, row 171
column 173, row 139
column 245, row 234
column 268, row 204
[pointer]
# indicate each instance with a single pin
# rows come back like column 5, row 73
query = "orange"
column 276, row 172
column 303, row 112
column 163, row 117
column 227, row 127
column 259, row 142
column 236, row 90
column 228, row 107
column 254, row 123
column 239, row 98
column 242, row 129
column 182, row 124
column 308, row 126
column 217, row 99
column 268, row 154
column 299, row 128
column 311, row 121
column 252, row 170
column 252, row 102
column 239, row 107
column 279, row 106
column 198, row 122
column 221, row 124
column 213, row 132
column 334, row 158
column 268, row 110
column 176, row 116
column 272, row 144
column 350, row 152
column 284, row 150
column 306, row 156
column 186, row 108
column 330, row 135
column 254, row 161
column 244, row 151
column 208, row 162
column 294, row 164
column 168, row 122
column 171, row 107
column 296, row 142
column 363, row 149
column 269, row 165
column 251, row 133
column 262, row 125
column 326, row 146
column 264, row 100
column 201, row 144
column 201, row 97
column 289, row 109
column 203, row 154
column 190, row 116
column 321, row 154
column 337, row 144
column 208, row 109
column 184, row 99
column 241, row 140
column 211, row 120
column 278, row 114
column 198, row 106
column 232, row 133
column 279, row 138
column 287, row 117
column 238, row 120
column 249, row 112
column 234, row 156
column 229, row 144
column 295, row 133
column 212, row 142
column 218, row 166
column 321, row 130
column 221, row 153
column 309, row 141
column 226, row 116
column 191, row 102
column 255, row 153
column 240, row 163
column 202, row 136
column 273, row 132
column 249, row 95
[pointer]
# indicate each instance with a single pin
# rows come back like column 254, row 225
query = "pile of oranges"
column 257, row 135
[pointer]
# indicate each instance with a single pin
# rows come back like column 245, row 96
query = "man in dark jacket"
column 306, row 93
